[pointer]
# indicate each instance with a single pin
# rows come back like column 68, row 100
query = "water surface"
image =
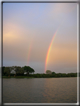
column 40, row 90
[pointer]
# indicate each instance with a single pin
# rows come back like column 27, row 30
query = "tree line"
column 19, row 71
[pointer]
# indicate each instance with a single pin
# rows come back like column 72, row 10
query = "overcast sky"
column 30, row 29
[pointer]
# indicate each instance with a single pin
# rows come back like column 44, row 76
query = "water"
column 40, row 90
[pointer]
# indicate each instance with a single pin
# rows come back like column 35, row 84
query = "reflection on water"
column 40, row 90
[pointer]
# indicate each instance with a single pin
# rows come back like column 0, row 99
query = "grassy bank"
column 38, row 76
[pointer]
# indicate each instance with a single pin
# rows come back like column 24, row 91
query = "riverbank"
column 38, row 75
column 32, row 77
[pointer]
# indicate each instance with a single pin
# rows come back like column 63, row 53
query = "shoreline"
column 36, row 77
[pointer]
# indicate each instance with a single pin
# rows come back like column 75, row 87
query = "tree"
column 7, row 71
column 53, row 73
column 12, row 70
column 28, row 69
column 3, row 70
column 31, row 70
column 19, row 70
column 48, row 72
column 59, row 75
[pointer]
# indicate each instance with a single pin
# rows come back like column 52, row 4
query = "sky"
column 40, row 35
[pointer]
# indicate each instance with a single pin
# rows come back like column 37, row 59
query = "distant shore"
column 28, row 72
column 37, row 77
column 43, row 76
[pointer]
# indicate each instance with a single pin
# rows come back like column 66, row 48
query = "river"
column 40, row 90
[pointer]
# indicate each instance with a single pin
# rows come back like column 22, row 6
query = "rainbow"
column 29, row 52
column 49, row 49
column 50, row 46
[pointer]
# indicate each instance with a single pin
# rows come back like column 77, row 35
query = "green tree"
column 7, row 71
column 3, row 70
column 19, row 70
column 53, row 73
column 28, row 69
column 12, row 69
column 59, row 75
column 48, row 72
column 64, row 75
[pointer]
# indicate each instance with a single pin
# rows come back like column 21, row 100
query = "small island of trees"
column 28, row 72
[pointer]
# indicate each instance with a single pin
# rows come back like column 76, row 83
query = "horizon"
column 29, row 37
